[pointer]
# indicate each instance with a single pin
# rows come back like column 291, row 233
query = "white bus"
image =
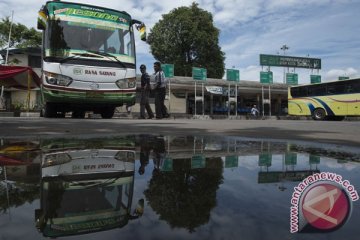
column 85, row 190
column 88, row 59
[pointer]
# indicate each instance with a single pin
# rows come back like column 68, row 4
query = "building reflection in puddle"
column 79, row 186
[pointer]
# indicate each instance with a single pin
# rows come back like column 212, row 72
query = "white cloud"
column 235, row 11
column 334, row 73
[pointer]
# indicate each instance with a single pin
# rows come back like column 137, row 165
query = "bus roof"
column 332, row 81
column 88, row 5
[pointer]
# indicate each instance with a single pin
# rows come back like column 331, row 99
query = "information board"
column 168, row 70
column 266, row 77
column 199, row 73
column 233, row 75
column 289, row 61
column 292, row 78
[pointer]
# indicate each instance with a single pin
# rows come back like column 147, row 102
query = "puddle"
column 170, row 187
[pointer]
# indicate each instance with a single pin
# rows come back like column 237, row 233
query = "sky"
column 325, row 29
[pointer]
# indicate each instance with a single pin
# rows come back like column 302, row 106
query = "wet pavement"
column 176, row 187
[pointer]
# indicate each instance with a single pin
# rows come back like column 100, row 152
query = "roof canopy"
column 18, row 77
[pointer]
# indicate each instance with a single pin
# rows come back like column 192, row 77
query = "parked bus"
column 88, row 59
column 330, row 100
column 85, row 190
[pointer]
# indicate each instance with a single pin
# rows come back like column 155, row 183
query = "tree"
column 21, row 36
column 185, row 197
column 187, row 38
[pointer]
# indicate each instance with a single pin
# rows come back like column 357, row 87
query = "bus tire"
column 107, row 113
column 319, row 114
column 61, row 114
column 49, row 111
column 78, row 114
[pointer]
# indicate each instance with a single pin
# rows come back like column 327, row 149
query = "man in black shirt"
column 145, row 92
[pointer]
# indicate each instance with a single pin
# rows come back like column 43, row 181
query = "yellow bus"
column 326, row 101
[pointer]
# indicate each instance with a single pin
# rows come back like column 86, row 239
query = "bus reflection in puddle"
column 86, row 190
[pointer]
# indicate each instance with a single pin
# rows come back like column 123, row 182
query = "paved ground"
column 344, row 133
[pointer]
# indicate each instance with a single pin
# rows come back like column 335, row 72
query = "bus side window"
column 336, row 88
column 303, row 91
column 294, row 92
column 353, row 87
column 331, row 89
column 317, row 90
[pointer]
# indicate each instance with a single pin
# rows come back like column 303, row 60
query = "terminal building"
column 213, row 97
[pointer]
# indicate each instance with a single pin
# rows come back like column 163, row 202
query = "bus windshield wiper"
column 90, row 53
column 108, row 55
column 91, row 184
column 77, row 55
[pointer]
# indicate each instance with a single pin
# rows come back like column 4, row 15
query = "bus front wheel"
column 319, row 114
column 78, row 114
column 48, row 111
column 107, row 113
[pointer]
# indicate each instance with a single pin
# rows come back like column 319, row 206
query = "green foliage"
column 187, row 38
column 21, row 36
column 185, row 197
column 13, row 61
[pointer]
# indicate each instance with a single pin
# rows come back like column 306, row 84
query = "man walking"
column 145, row 92
column 254, row 112
column 160, row 92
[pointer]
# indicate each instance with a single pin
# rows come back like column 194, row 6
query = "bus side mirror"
column 39, row 219
column 139, row 210
column 41, row 21
column 142, row 30
column 140, row 26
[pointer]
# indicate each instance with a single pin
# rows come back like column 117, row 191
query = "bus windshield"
column 77, row 207
column 75, row 29
column 84, row 189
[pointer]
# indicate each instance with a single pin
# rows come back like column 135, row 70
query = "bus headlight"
column 125, row 156
column 121, row 83
column 56, row 159
column 126, row 83
column 57, row 79
column 132, row 82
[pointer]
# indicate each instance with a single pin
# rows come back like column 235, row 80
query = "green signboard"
column 167, row 165
column 199, row 73
column 315, row 78
column 290, row 158
column 168, row 70
column 288, row 61
column 198, row 161
column 233, row 75
column 313, row 159
column 266, row 77
column 231, row 161
column 343, row 78
column 292, row 78
column 293, row 176
column 265, row 159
